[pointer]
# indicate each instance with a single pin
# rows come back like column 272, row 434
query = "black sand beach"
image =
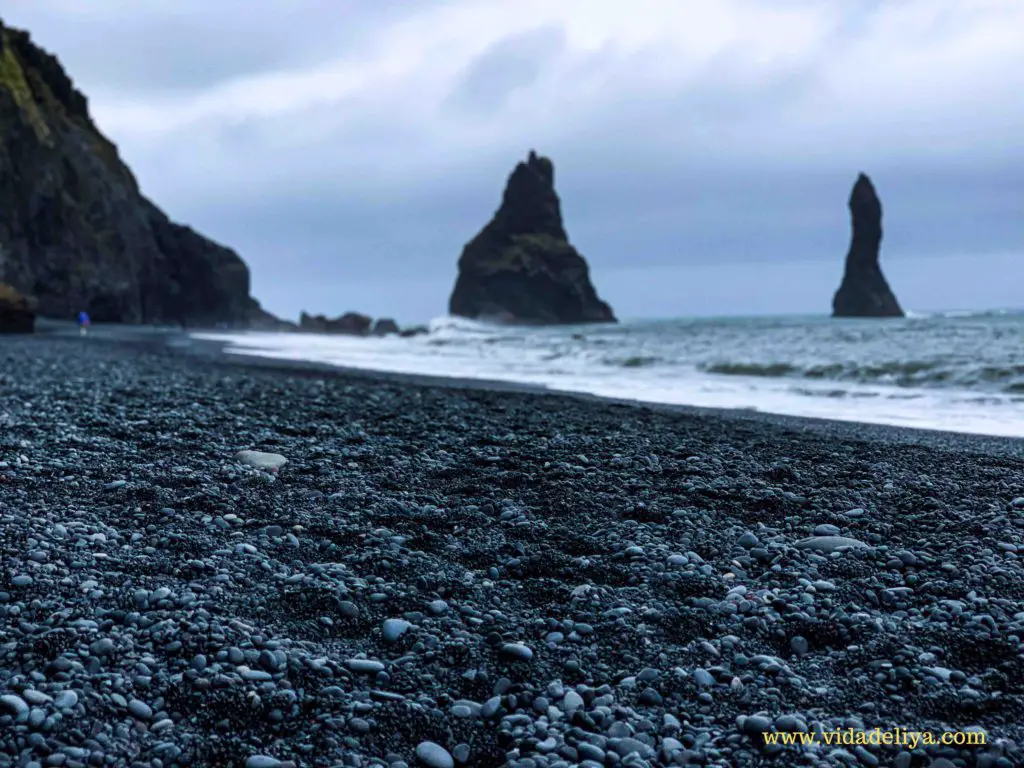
column 450, row 575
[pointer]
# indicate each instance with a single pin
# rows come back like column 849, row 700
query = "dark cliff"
column 521, row 267
column 864, row 291
column 16, row 312
column 75, row 231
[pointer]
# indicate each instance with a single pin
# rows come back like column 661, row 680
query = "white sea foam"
column 962, row 373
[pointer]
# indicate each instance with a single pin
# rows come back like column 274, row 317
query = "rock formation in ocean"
column 864, row 291
column 352, row 323
column 259, row 319
column 16, row 313
column 521, row 268
column 76, row 232
column 385, row 326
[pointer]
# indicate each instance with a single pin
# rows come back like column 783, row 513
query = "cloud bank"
column 338, row 143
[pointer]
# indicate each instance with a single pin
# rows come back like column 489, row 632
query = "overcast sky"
column 704, row 151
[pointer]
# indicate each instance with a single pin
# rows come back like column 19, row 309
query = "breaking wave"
column 961, row 371
column 909, row 374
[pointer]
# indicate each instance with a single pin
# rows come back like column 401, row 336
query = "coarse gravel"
column 398, row 573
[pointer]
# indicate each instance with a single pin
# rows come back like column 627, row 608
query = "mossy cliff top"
column 39, row 87
column 75, row 231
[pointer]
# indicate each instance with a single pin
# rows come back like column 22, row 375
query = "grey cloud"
column 678, row 182
column 510, row 64
column 131, row 47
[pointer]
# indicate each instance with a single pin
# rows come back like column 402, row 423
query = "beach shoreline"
column 518, row 578
column 215, row 351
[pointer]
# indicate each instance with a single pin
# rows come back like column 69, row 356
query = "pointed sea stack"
column 77, row 234
column 521, row 268
column 864, row 291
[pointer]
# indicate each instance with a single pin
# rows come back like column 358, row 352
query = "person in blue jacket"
column 83, row 322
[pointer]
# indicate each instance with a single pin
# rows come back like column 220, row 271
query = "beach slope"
column 491, row 577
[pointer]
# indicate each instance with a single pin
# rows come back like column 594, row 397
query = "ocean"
column 954, row 371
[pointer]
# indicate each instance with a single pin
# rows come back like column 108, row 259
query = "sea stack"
column 75, row 231
column 521, row 267
column 352, row 323
column 864, row 291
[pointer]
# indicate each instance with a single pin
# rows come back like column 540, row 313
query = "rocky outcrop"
column 521, row 267
column 312, row 323
column 864, row 291
column 385, row 326
column 76, row 232
column 356, row 324
column 16, row 313
column 258, row 319
column 352, row 323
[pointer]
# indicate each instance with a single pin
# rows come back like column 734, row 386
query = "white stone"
column 831, row 543
column 261, row 460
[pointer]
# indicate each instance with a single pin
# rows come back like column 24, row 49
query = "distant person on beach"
column 83, row 322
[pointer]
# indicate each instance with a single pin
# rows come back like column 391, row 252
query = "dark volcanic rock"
column 385, row 326
column 16, row 314
column 351, row 323
column 521, row 267
column 312, row 323
column 425, row 575
column 864, row 291
column 259, row 319
column 76, row 232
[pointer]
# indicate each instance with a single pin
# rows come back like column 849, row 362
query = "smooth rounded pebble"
column 748, row 540
column 517, row 651
column 14, row 705
column 393, row 629
column 571, row 701
column 799, row 645
column 434, row 755
column 261, row 460
column 831, row 543
column 140, row 709
column 66, row 700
